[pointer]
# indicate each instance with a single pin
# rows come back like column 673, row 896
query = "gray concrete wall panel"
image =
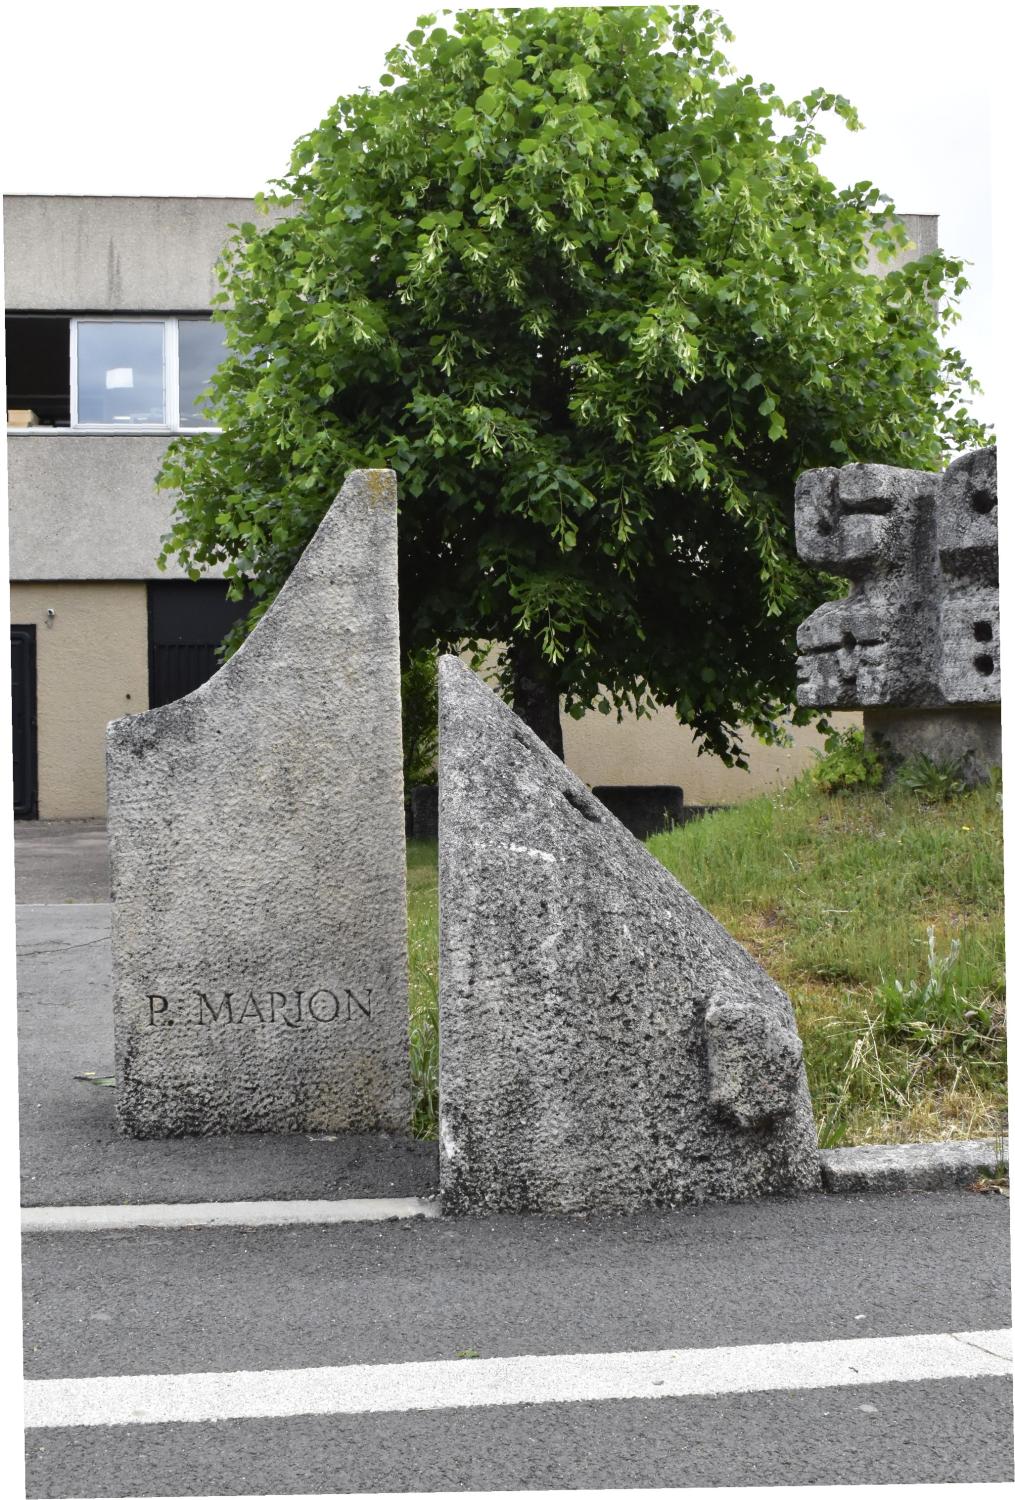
column 83, row 254
column 922, row 231
column 83, row 505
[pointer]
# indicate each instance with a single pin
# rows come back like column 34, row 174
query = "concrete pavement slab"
column 71, row 1151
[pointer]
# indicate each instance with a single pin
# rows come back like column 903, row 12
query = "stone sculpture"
column 257, row 844
column 916, row 642
column 604, row 1041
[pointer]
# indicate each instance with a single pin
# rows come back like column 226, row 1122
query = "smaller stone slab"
column 257, row 850
column 605, row 1043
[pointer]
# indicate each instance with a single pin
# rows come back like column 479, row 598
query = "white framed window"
column 142, row 374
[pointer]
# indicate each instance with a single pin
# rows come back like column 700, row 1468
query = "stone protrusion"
column 754, row 1061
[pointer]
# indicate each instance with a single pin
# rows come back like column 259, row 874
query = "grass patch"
column 423, row 949
column 834, row 896
column 881, row 916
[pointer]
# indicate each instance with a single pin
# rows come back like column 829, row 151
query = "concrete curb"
column 251, row 1215
column 936, row 1164
column 848, row 1169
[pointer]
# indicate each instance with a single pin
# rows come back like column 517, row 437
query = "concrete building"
column 109, row 343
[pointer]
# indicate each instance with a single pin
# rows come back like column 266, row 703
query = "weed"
column 848, row 761
column 916, row 1007
column 995, row 784
column 424, row 1057
column 932, row 780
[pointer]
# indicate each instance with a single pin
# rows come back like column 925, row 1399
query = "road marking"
column 433, row 1385
column 225, row 1215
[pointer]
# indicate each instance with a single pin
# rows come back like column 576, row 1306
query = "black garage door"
column 186, row 623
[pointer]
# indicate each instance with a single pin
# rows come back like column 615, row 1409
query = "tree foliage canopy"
column 586, row 290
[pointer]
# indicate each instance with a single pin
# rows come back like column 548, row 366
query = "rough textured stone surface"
column 938, row 1164
column 919, row 628
column 602, row 1037
column 257, row 849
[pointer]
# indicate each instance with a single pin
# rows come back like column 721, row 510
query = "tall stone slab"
column 605, row 1043
column 257, row 843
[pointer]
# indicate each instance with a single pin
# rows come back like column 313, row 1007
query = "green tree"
column 585, row 289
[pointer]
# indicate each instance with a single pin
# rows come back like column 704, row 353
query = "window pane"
column 202, row 348
column 121, row 372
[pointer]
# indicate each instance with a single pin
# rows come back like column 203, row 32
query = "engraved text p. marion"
column 308, row 1007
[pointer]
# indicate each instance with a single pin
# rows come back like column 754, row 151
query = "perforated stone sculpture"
column 916, row 642
column 258, row 863
column 604, row 1041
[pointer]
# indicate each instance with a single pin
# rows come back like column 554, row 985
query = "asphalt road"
column 816, row 1268
column 938, row 1432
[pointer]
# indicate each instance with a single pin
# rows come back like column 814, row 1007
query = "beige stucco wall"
column 91, row 666
column 660, row 751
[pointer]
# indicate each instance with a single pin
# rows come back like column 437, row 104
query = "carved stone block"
column 919, row 627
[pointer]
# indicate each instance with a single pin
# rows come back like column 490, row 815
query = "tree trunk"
column 537, row 694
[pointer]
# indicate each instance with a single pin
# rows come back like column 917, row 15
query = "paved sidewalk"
column 61, row 861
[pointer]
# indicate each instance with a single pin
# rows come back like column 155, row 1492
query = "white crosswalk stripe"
column 443, row 1384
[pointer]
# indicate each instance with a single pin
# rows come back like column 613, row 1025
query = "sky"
column 207, row 98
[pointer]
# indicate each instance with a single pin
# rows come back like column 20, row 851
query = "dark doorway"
column 26, row 788
column 187, row 622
